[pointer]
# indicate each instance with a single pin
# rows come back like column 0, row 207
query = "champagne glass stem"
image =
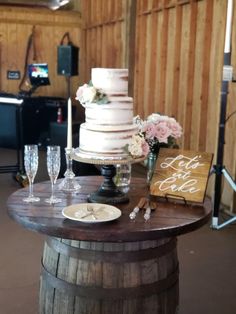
column 52, row 189
column 31, row 188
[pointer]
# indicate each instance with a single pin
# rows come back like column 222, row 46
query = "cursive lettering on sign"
column 182, row 162
column 186, row 187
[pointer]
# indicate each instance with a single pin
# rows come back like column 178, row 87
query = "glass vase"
column 151, row 163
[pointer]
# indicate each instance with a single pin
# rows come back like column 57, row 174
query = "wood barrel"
column 103, row 278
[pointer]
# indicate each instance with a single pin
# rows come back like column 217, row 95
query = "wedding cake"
column 108, row 126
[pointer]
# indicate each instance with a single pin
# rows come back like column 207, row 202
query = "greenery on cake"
column 87, row 93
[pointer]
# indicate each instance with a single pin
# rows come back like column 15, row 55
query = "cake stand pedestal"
column 108, row 193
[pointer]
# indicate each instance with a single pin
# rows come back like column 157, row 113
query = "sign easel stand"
column 219, row 169
column 172, row 197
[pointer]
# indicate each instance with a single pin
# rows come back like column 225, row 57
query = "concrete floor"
column 207, row 262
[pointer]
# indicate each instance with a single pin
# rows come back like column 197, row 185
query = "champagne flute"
column 31, row 167
column 53, row 166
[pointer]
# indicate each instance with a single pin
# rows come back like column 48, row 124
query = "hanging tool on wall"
column 30, row 46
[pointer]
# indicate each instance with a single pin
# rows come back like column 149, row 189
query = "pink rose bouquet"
column 159, row 131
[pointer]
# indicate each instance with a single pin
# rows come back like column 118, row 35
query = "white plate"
column 91, row 212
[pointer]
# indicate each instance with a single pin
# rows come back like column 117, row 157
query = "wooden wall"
column 16, row 25
column 106, row 27
column 174, row 51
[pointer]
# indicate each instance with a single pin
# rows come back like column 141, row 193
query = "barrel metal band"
column 100, row 293
column 111, row 257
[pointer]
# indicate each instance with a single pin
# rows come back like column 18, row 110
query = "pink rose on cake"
column 159, row 130
column 87, row 93
column 138, row 147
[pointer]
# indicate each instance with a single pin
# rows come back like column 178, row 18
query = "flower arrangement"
column 87, row 93
column 158, row 131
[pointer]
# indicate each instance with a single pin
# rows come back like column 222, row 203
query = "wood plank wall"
column 16, row 26
column 105, row 25
column 176, row 58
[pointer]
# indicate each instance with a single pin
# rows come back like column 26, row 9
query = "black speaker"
column 67, row 60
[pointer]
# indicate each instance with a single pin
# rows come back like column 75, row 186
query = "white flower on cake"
column 89, row 94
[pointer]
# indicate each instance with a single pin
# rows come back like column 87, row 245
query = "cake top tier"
column 111, row 81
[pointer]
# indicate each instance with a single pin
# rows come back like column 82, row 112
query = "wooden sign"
column 181, row 174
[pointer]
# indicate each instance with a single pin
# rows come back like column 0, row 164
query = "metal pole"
column 221, row 141
column 227, row 77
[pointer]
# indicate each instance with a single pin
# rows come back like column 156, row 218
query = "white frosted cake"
column 108, row 126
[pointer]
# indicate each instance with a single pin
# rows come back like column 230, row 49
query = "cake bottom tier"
column 107, row 141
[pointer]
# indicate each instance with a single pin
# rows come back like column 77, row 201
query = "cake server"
column 136, row 209
column 150, row 207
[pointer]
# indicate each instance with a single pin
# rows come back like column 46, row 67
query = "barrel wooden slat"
column 50, row 258
column 92, row 275
column 112, row 277
column 63, row 303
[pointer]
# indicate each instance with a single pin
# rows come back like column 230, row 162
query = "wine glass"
column 53, row 166
column 31, row 167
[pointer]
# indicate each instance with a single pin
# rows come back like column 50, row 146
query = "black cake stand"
column 108, row 193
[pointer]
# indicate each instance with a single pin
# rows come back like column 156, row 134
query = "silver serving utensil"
column 147, row 214
column 151, row 206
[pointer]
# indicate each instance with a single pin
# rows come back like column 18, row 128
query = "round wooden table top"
column 169, row 219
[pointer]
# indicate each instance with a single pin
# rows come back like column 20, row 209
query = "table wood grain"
column 168, row 220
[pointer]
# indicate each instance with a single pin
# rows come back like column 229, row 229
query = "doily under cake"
column 85, row 157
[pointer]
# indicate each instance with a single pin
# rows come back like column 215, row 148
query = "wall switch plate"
column 13, row 75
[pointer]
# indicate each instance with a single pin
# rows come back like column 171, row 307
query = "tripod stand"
column 219, row 169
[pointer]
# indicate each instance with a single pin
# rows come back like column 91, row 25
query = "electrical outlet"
column 13, row 75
